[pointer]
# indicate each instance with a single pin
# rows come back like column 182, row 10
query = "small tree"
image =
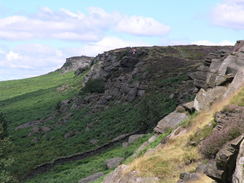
column 5, row 161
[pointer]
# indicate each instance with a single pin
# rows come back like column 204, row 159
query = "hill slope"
column 52, row 115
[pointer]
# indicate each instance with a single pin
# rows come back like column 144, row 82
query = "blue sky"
column 37, row 35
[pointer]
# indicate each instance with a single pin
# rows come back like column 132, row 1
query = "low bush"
column 94, row 86
column 211, row 145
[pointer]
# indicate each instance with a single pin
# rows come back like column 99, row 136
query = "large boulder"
column 205, row 98
column 120, row 176
column 170, row 121
column 92, row 178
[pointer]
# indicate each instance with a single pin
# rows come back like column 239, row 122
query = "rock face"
column 222, row 168
column 114, row 162
column 239, row 170
column 120, row 176
column 92, row 177
column 205, row 98
column 207, row 73
column 76, row 63
column 170, row 121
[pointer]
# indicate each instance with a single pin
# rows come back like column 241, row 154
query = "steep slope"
column 125, row 92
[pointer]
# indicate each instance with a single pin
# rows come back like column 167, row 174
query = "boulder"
column 114, row 162
column 188, row 177
column 205, row 98
column 133, row 138
column 119, row 175
column 239, row 170
column 221, row 170
column 92, row 178
column 170, row 121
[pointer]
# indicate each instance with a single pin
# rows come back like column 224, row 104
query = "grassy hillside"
column 72, row 130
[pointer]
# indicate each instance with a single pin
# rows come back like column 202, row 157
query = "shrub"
column 211, row 145
column 94, row 86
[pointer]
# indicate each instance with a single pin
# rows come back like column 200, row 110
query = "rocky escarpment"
column 124, row 75
column 78, row 64
column 219, row 77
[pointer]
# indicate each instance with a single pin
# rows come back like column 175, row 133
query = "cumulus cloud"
column 210, row 43
column 31, row 60
column 142, row 26
column 36, row 59
column 68, row 25
column 109, row 43
column 229, row 13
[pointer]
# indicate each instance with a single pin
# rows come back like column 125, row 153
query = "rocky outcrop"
column 92, row 177
column 222, row 168
column 121, row 176
column 207, row 73
column 76, row 63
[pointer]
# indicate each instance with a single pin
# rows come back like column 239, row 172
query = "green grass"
column 239, row 99
column 72, row 172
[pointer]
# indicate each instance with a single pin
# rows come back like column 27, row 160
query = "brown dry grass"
column 175, row 157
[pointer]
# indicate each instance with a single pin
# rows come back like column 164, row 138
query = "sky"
column 36, row 36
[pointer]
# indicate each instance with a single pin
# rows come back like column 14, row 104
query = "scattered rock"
column 29, row 124
column 133, row 138
column 125, row 144
column 94, row 141
column 70, row 134
column 114, row 162
column 92, row 178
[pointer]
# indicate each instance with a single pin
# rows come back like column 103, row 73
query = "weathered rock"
column 221, row 170
column 125, row 144
column 170, row 121
column 92, row 178
column 29, row 124
column 189, row 107
column 45, row 129
column 238, row 176
column 74, row 63
column 120, row 176
column 133, row 138
column 114, row 162
column 205, row 98
column 93, row 141
column 188, row 177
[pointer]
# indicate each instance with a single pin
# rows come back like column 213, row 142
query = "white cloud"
column 210, row 43
column 11, row 56
column 68, row 25
column 142, row 26
column 108, row 43
column 36, row 59
column 229, row 13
